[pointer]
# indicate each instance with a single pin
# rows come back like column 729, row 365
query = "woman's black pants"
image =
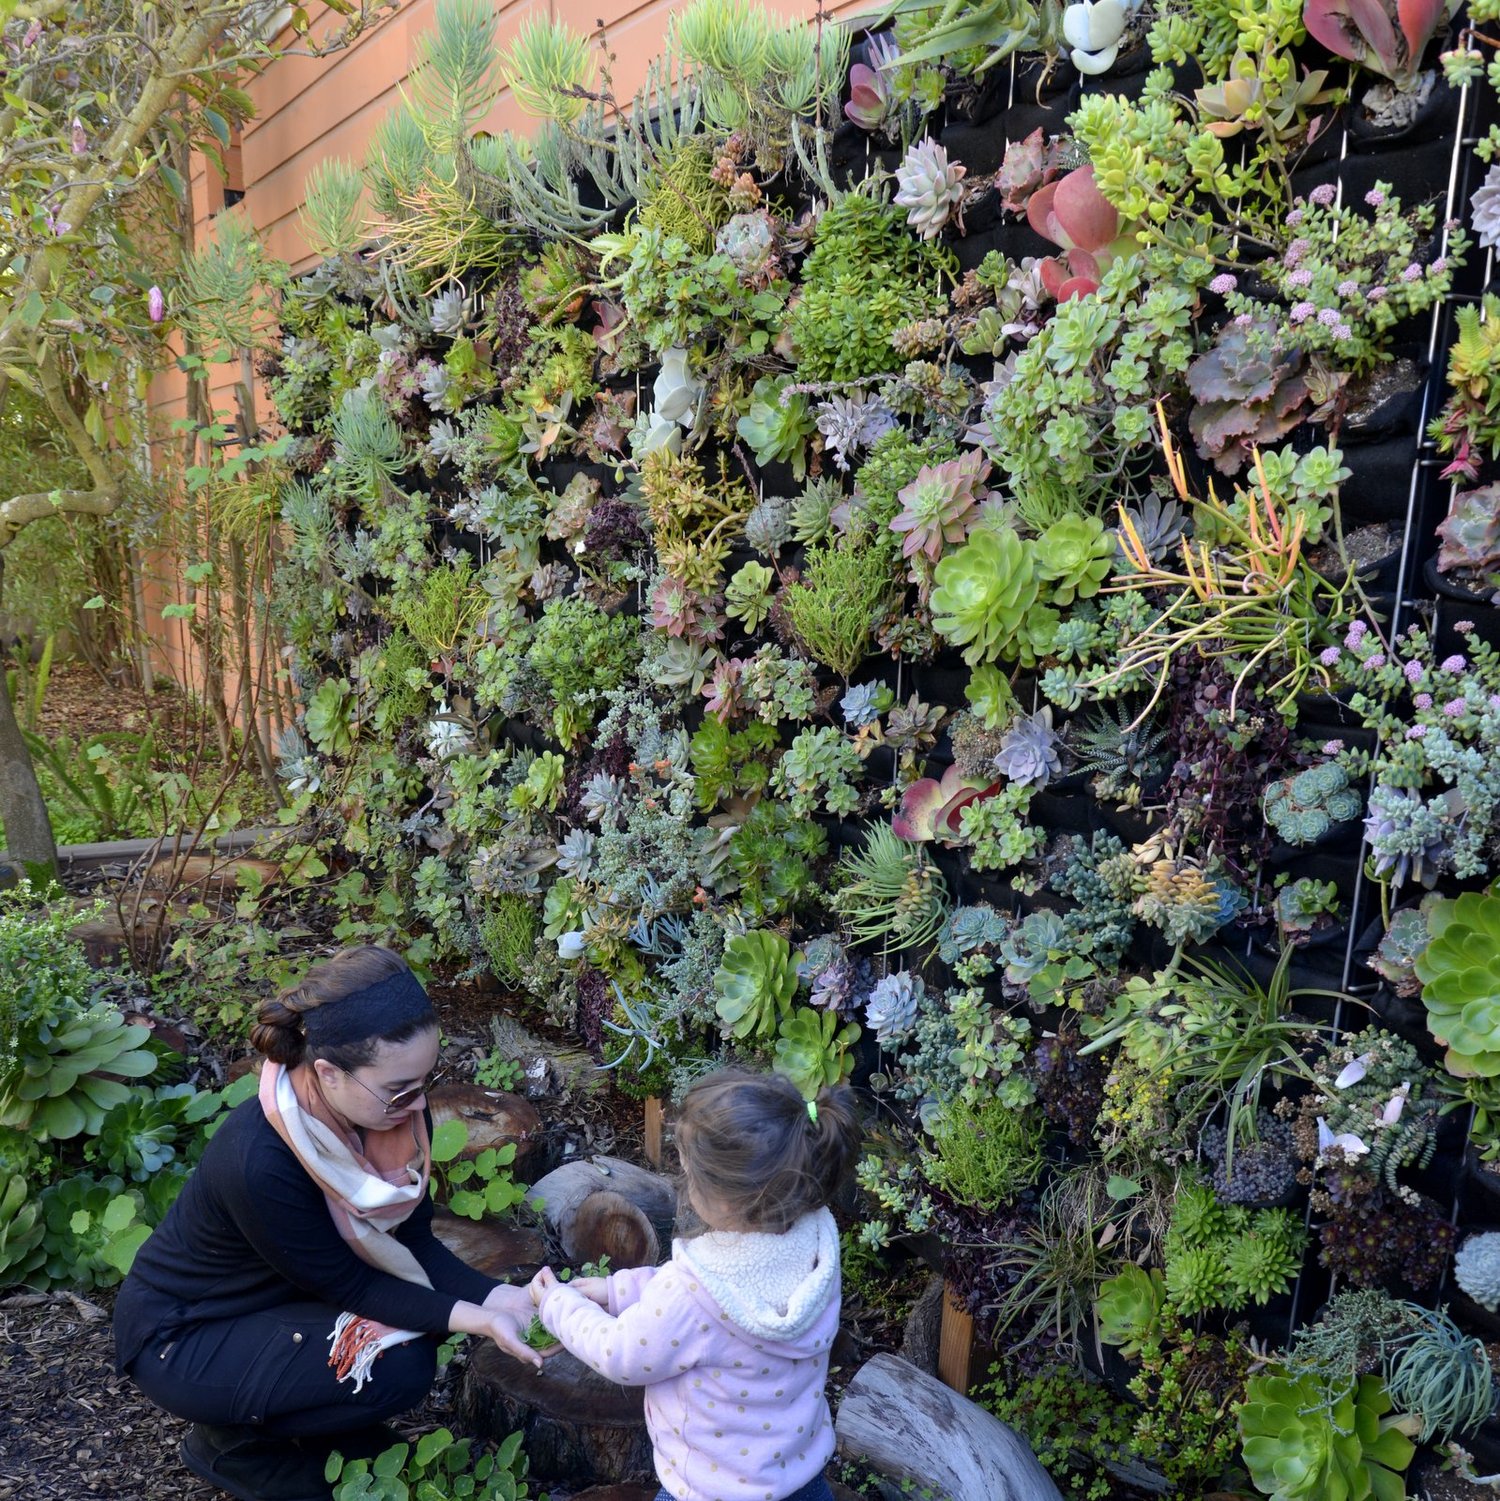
column 271, row 1370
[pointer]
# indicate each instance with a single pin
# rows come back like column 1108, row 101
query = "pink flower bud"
column 156, row 304
column 80, row 137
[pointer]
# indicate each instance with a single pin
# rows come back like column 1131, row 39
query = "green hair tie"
column 812, row 1111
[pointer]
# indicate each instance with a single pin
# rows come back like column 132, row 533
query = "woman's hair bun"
column 279, row 1032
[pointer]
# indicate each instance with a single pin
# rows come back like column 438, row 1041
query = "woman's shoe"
column 252, row 1465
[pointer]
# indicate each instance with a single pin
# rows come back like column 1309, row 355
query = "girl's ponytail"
column 837, row 1138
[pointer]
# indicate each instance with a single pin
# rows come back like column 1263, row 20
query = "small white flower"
column 1395, row 1105
column 1352, row 1073
column 571, row 945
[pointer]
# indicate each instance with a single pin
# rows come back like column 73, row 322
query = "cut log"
column 619, row 1493
column 955, row 1358
column 216, row 873
column 908, row 1426
column 921, row 1336
column 576, row 1426
column 608, row 1224
column 655, row 1120
column 565, row 1190
column 508, row 1253
column 493, row 1117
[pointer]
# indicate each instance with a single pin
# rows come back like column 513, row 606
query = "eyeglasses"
column 403, row 1098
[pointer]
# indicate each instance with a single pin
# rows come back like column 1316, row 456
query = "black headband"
column 379, row 1010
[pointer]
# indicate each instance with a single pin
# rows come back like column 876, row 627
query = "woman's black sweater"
column 251, row 1231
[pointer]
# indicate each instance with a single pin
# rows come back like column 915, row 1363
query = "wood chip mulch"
column 70, row 1427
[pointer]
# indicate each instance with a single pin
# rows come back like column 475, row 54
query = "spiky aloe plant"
column 890, row 892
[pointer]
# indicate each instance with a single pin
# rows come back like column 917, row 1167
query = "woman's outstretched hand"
column 504, row 1317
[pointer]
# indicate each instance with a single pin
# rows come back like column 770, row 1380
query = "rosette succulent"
column 1460, row 974
column 1303, row 808
column 986, row 598
column 1129, row 1308
column 929, row 187
column 1075, row 554
column 938, row 506
column 1299, row 1447
column 755, row 983
column 1029, row 750
column 893, row 1006
column 1476, row 1269
column 748, row 243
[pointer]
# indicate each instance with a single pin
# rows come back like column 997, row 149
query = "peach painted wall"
column 308, row 110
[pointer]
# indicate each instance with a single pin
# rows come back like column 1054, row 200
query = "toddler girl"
column 731, row 1337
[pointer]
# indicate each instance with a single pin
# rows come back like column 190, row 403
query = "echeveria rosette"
column 929, row 187
column 1129, row 1309
column 755, row 983
column 893, row 1006
column 939, row 505
column 1460, row 974
column 1299, row 1448
column 986, row 598
column 1075, row 555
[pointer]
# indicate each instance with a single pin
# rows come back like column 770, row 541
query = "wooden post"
column 955, row 1345
column 654, row 1120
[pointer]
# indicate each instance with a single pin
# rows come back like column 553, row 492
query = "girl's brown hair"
column 749, row 1142
column 280, row 1031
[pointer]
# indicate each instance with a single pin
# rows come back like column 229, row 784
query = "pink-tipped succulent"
column 1029, row 164
column 681, row 611
column 1075, row 215
column 930, row 188
column 1471, row 530
column 940, row 504
column 930, row 809
column 1386, row 36
column 869, row 98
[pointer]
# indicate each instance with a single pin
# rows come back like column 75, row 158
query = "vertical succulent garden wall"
column 952, row 556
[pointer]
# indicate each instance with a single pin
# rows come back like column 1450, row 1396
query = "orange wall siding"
column 308, row 110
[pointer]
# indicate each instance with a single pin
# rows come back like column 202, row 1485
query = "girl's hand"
column 543, row 1283
column 595, row 1289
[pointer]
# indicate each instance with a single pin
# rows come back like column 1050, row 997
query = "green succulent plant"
column 91, row 1231
column 755, row 983
column 21, row 1230
column 813, row 1050
column 1460, row 974
column 1303, row 808
column 747, row 598
column 1129, row 1309
column 139, row 1136
column 1197, row 1279
column 68, row 1072
column 777, row 425
column 1298, row 1447
column 1262, row 1264
column 890, row 892
column 986, row 598
column 1075, row 555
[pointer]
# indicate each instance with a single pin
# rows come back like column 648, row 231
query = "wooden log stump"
column 576, row 1426
column 635, row 1215
column 619, row 1493
column 493, row 1117
column 655, row 1121
column 508, row 1253
column 908, row 1426
column 955, row 1355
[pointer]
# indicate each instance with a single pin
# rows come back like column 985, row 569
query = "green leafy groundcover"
column 761, row 621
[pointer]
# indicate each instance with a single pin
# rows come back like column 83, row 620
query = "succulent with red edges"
column 1075, row 215
column 1248, row 391
column 939, row 505
column 930, row 808
column 1385, row 36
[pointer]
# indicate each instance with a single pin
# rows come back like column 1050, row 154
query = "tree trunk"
column 28, row 830
column 577, row 1426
